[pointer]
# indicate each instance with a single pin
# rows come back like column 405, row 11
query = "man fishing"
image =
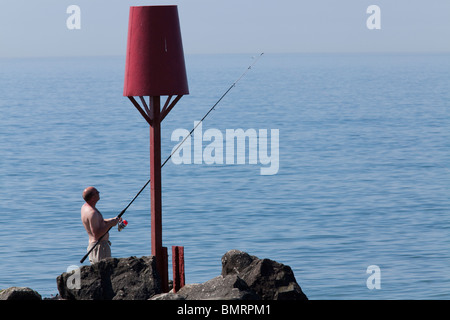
column 96, row 227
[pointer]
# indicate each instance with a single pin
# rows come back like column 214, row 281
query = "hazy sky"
column 38, row 27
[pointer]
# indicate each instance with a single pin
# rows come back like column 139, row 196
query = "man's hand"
column 113, row 221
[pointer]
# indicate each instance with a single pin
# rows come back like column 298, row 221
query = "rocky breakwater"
column 243, row 277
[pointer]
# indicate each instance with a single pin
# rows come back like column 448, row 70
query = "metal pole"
column 155, row 189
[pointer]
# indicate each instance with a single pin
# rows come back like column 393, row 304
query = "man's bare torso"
column 88, row 215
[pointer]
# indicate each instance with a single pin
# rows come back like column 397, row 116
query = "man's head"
column 90, row 194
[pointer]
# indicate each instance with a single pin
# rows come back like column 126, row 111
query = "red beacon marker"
column 155, row 68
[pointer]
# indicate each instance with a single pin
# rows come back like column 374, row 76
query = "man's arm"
column 100, row 226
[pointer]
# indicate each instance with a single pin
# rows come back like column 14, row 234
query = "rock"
column 269, row 279
column 113, row 279
column 219, row 288
column 235, row 261
column 19, row 293
column 244, row 277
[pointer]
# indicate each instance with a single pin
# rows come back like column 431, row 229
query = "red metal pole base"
column 178, row 268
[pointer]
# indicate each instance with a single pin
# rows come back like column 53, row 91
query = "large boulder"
column 267, row 278
column 19, row 293
column 112, row 279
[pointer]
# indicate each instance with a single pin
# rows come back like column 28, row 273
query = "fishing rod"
column 175, row 150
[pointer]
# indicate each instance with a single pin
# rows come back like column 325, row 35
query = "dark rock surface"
column 269, row 279
column 19, row 293
column 243, row 277
column 113, row 279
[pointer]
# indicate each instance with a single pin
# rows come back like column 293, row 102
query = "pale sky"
column 38, row 27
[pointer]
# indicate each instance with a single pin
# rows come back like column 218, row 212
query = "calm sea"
column 363, row 179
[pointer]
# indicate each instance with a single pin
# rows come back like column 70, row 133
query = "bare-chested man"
column 96, row 226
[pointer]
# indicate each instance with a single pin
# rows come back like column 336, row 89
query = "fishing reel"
column 121, row 225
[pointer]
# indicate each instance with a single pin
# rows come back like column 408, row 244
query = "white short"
column 101, row 251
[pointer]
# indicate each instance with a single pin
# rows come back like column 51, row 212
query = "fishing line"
column 192, row 131
column 212, row 108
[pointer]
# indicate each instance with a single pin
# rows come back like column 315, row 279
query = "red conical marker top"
column 155, row 59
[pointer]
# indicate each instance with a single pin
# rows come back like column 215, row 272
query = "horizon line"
column 232, row 53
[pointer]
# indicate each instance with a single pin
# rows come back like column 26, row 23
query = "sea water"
column 363, row 178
